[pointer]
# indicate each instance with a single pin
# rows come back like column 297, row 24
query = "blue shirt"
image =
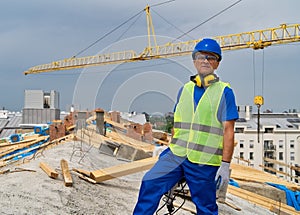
column 227, row 109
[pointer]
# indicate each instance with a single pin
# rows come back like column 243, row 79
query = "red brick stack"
column 140, row 132
column 147, row 130
column 69, row 120
column 134, row 131
column 57, row 129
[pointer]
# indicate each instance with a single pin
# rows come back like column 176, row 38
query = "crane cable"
column 174, row 26
column 119, row 38
column 116, row 28
column 108, row 33
column 262, row 72
column 217, row 14
column 258, row 100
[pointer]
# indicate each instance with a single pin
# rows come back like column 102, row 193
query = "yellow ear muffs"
column 206, row 81
column 197, row 80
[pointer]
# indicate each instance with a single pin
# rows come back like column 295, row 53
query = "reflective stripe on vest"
column 198, row 127
column 198, row 134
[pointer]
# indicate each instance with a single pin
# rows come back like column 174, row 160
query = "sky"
column 35, row 32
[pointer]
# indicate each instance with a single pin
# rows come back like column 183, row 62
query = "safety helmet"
column 208, row 45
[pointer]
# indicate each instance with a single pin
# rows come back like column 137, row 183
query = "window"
column 242, row 144
column 251, row 145
column 242, row 155
column 292, row 156
column 46, row 100
column 268, row 145
column 281, row 156
column 281, row 144
column 292, row 145
column 269, row 130
column 239, row 130
column 281, row 169
column 251, row 156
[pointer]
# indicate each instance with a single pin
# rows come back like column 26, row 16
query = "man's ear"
column 215, row 65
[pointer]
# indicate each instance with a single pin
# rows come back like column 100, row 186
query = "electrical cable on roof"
column 222, row 11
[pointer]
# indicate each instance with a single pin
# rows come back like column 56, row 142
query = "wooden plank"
column 25, row 151
column 21, row 146
column 245, row 173
column 90, row 136
column 115, row 124
column 123, row 169
column 48, row 170
column 66, row 173
column 232, row 206
column 260, row 200
column 82, row 171
column 278, row 210
column 161, row 142
column 280, row 172
column 84, row 177
column 241, row 159
column 282, row 164
column 33, row 138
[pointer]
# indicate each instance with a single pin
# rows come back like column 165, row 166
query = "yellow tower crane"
column 258, row 39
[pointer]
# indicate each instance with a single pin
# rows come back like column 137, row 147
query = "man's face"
column 205, row 63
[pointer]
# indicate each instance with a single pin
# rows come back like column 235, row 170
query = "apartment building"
column 272, row 146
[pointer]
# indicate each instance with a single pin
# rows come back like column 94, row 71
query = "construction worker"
column 203, row 138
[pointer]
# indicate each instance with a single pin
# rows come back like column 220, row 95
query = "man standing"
column 203, row 138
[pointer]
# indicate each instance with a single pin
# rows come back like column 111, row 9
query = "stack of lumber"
column 10, row 152
column 247, row 174
column 16, row 151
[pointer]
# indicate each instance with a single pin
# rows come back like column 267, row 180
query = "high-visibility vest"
column 198, row 134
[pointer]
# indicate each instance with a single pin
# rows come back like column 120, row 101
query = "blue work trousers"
column 165, row 174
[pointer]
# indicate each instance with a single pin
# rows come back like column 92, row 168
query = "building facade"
column 269, row 142
column 40, row 107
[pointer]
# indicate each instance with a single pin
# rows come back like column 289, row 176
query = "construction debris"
column 48, row 170
column 66, row 173
column 123, row 169
column 113, row 164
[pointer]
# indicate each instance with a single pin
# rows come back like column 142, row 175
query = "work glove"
column 222, row 176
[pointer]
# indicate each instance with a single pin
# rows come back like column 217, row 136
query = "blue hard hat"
column 208, row 45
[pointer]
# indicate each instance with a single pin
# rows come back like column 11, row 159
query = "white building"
column 274, row 148
column 3, row 114
column 40, row 106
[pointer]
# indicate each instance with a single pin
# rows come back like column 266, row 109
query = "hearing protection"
column 206, row 81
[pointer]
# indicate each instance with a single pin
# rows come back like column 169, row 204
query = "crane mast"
column 258, row 39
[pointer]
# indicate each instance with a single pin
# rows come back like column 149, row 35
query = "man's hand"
column 222, row 176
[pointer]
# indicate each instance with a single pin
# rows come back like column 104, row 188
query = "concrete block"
column 141, row 154
column 130, row 153
column 109, row 148
column 126, row 152
column 265, row 190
